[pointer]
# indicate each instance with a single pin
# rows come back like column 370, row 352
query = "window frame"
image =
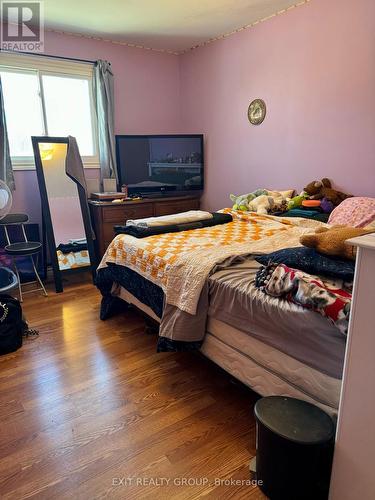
column 24, row 63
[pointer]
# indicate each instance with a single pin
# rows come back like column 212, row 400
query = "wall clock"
column 256, row 112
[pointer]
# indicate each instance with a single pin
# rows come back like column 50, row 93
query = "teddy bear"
column 331, row 241
column 316, row 190
column 242, row 202
column 261, row 204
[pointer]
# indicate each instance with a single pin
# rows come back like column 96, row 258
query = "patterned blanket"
column 330, row 299
column 180, row 262
column 72, row 260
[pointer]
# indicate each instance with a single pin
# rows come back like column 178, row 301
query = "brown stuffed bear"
column 318, row 190
column 331, row 241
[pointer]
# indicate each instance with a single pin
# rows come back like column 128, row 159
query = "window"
column 47, row 97
column 73, row 119
column 22, row 110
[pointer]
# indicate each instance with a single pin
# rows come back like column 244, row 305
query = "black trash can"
column 295, row 442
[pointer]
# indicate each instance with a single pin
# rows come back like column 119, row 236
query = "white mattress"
column 261, row 367
column 267, row 370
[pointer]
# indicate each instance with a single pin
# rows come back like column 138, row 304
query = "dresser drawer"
column 106, row 215
column 118, row 215
column 174, row 207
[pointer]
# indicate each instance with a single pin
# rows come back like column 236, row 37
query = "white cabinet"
column 353, row 474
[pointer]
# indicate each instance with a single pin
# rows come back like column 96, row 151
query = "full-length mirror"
column 64, row 204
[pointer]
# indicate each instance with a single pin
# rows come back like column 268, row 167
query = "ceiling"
column 172, row 25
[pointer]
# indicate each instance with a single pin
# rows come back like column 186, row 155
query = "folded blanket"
column 329, row 299
column 307, row 214
column 144, row 232
column 165, row 220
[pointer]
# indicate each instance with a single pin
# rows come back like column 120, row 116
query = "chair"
column 22, row 249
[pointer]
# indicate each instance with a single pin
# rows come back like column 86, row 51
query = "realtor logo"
column 22, row 26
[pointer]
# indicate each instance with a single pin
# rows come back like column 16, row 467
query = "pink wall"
column 147, row 93
column 147, row 98
column 315, row 68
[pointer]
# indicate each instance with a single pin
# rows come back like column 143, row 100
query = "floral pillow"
column 355, row 212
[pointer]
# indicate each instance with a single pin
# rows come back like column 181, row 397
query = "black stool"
column 22, row 249
column 295, row 442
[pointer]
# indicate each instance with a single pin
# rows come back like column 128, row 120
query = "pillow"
column 355, row 212
column 310, row 261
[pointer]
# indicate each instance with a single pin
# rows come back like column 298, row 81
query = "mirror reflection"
column 65, row 209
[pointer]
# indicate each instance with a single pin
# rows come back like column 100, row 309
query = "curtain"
column 6, row 170
column 104, row 101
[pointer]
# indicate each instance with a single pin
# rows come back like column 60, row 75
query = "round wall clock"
column 256, row 111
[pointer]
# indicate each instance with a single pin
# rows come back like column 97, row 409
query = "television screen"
column 160, row 163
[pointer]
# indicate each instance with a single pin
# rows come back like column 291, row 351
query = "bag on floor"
column 12, row 325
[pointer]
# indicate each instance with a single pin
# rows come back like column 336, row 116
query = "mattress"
column 267, row 370
column 233, row 299
column 300, row 333
column 264, row 369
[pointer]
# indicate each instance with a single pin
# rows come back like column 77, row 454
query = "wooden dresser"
column 105, row 215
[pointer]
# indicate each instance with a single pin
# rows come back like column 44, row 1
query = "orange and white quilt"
column 180, row 262
column 72, row 260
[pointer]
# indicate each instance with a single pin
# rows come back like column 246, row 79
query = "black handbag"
column 12, row 325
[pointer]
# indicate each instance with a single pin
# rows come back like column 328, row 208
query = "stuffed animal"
column 279, row 208
column 297, row 201
column 317, row 190
column 327, row 206
column 269, row 200
column 331, row 241
column 239, row 202
column 261, row 204
column 280, row 198
column 242, row 202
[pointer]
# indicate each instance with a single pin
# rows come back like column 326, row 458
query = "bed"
column 199, row 285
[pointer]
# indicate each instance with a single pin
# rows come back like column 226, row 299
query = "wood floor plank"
column 89, row 403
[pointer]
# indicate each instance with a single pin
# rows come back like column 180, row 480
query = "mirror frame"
column 47, row 220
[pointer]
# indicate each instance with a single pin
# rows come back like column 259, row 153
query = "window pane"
column 68, row 110
column 22, row 110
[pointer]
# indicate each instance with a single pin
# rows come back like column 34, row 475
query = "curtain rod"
column 48, row 55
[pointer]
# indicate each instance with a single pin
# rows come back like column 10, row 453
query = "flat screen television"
column 164, row 164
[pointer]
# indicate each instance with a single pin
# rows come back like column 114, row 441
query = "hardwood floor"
column 90, row 410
